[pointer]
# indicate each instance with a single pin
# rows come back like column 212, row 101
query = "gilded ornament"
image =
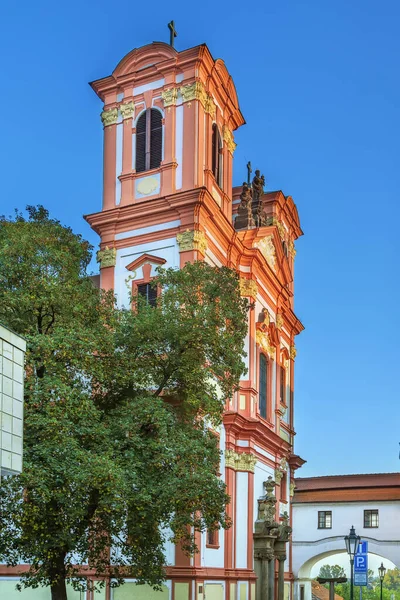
column 292, row 249
column 279, row 321
column 109, row 117
column 127, row 110
column 280, row 227
column 194, row 91
column 107, row 257
column 192, row 240
column 210, row 107
column 262, row 338
column 292, row 488
column 293, row 352
column 267, row 248
column 246, row 462
column 148, row 186
column 284, row 464
column 248, row 287
column 228, row 138
column 240, row 461
column 278, row 476
column 169, row 96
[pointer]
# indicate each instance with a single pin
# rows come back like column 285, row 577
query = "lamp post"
column 382, row 571
column 352, row 540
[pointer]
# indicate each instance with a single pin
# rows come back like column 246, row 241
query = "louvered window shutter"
column 149, row 292
column 141, row 143
column 155, row 138
column 263, row 381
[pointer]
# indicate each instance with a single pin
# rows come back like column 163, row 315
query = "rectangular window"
column 263, row 383
column 149, row 292
column 212, row 538
column 324, row 519
column 282, row 386
column 371, row 518
column 302, row 592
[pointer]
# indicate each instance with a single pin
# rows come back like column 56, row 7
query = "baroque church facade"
column 169, row 119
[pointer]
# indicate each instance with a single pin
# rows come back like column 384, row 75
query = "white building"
column 324, row 509
column 12, row 351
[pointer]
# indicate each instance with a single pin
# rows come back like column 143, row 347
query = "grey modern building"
column 12, row 352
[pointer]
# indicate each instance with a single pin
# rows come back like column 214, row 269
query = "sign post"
column 361, row 565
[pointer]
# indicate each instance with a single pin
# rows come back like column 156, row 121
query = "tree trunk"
column 57, row 577
column 59, row 590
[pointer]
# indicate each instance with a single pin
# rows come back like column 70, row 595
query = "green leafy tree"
column 329, row 571
column 392, row 579
column 119, row 453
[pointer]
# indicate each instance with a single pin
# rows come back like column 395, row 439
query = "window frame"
column 263, row 355
column 148, row 156
column 212, row 542
column 371, row 512
column 216, row 155
column 323, row 519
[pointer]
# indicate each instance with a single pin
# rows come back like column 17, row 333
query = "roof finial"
column 173, row 34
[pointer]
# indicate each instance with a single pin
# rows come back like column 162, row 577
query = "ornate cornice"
column 107, row 257
column 240, row 461
column 228, row 138
column 127, row 110
column 248, row 287
column 109, row 117
column 262, row 338
column 169, row 96
column 192, row 240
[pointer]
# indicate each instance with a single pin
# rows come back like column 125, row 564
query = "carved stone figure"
column 245, row 216
column 258, row 185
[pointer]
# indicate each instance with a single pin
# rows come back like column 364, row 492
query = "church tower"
column 169, row 119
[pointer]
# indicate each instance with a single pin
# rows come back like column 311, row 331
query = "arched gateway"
column 324, row 509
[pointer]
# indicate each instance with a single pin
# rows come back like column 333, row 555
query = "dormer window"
column 148, row 140
column 216, row 146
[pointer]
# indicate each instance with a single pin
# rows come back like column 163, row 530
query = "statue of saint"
column 258, row 185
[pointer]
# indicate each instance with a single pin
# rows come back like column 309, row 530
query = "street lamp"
column 382, row 571
column 352, row 540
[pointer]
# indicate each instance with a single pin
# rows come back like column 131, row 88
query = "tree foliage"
column 329, row 571
column 119, row 452
column 390, row 587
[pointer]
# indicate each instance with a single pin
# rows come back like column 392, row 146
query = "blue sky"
column 318, row 85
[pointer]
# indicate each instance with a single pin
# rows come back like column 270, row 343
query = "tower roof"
column 160, row 60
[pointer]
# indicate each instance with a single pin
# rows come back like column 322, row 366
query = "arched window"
column 148, row 140
column 263, row 386
column 216, row 147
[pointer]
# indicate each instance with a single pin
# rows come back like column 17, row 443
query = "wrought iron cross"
column 249, row 172
column 172, row 33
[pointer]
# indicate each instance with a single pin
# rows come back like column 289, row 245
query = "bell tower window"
column 148, row 140
column 216, row 147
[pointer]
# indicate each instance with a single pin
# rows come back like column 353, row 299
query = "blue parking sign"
column 361, row 564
